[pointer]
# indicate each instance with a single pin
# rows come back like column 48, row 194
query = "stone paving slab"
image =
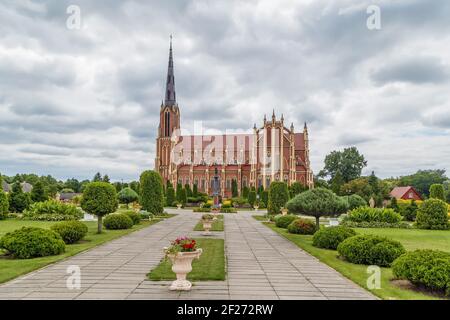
column 261, row 265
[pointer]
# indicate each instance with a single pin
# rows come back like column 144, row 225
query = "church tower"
column 169, row 121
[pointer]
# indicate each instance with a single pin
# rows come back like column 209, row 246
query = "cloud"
column 414, row 70
column 74, row 102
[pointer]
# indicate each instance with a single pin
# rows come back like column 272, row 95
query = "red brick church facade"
column 271, row 152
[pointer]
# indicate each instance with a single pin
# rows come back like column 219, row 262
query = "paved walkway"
column 260, row 265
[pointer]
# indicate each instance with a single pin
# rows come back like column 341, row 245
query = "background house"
column 405, row 193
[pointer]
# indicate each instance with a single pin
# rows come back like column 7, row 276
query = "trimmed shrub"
column 27, row 242
column 429, row 268
column 52, row 210
column 70, row 231
column 317, row 203
column 278, row 197
column 284, row 221
column 376, row 224
column 331, row 237
column 302, row 226
column 409, row 211
column 135, row 217
column 356, row 201
column 367, row 214
column 252, row 197
column 228, row 210
column 432, row 214
column 145, row 215
column 170, row 196
column 370, row 249
column 99, row 199
column 203, row 209
column 127, row 196
column 117, row 221
column 437, row 191
column 152, row 196
column 4, row 205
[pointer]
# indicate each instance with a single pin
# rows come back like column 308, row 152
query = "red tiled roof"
column 399, row 192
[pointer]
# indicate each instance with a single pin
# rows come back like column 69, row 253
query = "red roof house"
column 405, row 193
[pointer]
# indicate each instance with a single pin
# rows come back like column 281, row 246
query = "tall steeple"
column 170, row 99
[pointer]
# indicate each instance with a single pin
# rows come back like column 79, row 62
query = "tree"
column 187, row 187
column 99, row 199
column 170, row 198
column 73, row 184
column 317, row 203
column 38, row 192
column 234, row 188
column 105, row 178
column 127, row 196
column 437, row 191
column 179, row 194
column 195, row 190
column 336, row 182
column 432, row 214
column 356, row 201
column 296, row 188
column 278, row 196
column 394, row 205
column 18, row 200
column 423, row 179
column 151, row 197
column 118, row 186
column 265, row 198
column 4, row 204
column 410, row 212
column 374, row 183
column 245, row 192
column 135, row 185
column 349, row 163
column 97, row 177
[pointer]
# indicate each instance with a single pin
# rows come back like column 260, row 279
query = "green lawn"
column 210, row 266
column 411, row 239
column 217, row 225
column 12, row 268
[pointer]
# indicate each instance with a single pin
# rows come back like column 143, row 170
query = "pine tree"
column 234, row 188
column 195, row 191
column 97, row 177
column 18, row 200
column 187, row 187
column 105, row 178
column 170, row 198
column 38, row 192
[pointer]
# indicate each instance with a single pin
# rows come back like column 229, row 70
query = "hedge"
column 432, row 214
column 70, row 231
column 118, row 221
column 302, row 226
column 331, row 237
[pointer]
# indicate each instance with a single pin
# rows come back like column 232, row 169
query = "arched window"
column 244, row 181
column 167, row 124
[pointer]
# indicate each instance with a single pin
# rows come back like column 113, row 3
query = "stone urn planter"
column 256, row 207
column 284, row 211
column 181, row 266
column 207, row 220
column 179, row 205
column 215, row 212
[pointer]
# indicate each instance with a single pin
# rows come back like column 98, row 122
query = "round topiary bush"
column 356, row 201
column 99, row 199
column 370, row 250
column 117, row 221
column 302, row 226
column 27, row 242
column 331, row 237
column 135, row 217
column 429, row 268
column 432, row 214
column 70, row 231
column 284, row 221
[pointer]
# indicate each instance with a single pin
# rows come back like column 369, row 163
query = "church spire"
column 170, row 99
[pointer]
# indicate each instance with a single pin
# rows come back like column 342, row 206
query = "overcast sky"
column 77, row 101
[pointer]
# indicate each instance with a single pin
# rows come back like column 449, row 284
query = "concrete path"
column 260, row 265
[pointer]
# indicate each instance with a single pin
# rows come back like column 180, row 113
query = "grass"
column 217, row 225
column 12, row 268
column 210, row 266
column 358, row 273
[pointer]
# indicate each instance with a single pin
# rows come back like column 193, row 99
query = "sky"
column 80, row 98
